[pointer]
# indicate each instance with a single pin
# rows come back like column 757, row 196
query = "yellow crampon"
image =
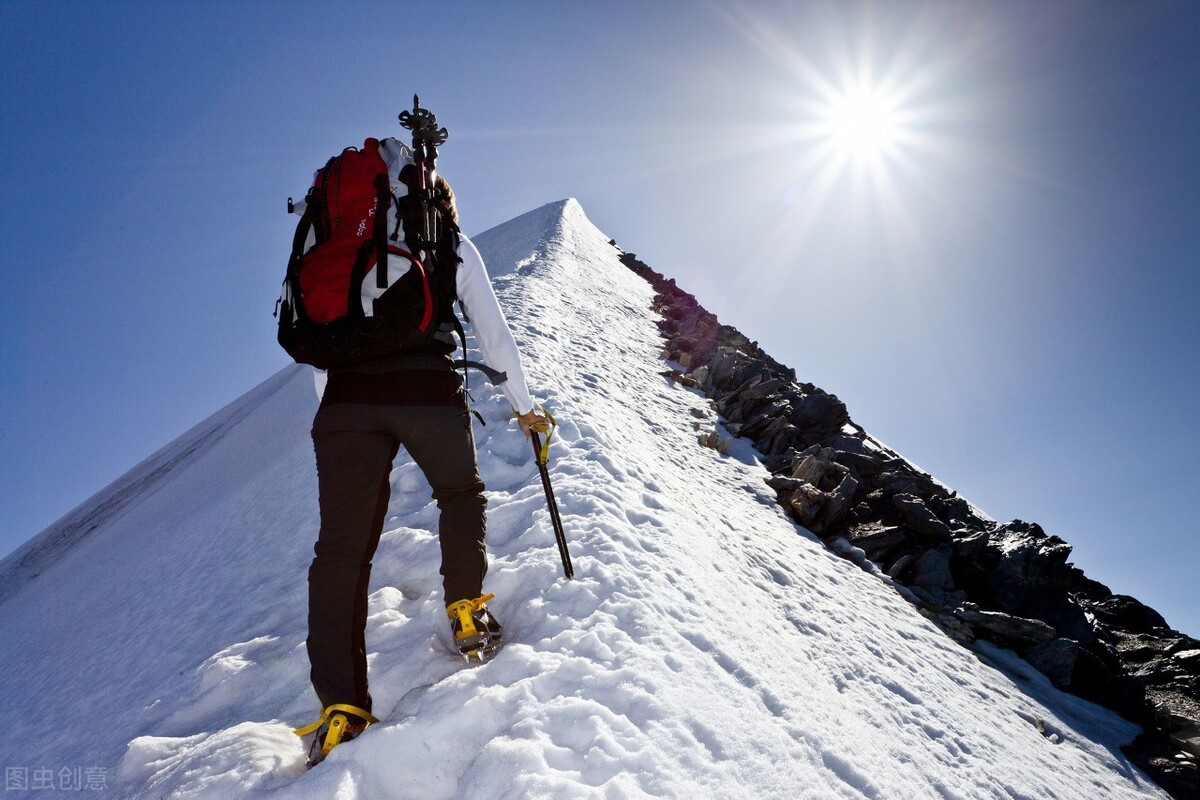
column 335, row 715
column 464, row 609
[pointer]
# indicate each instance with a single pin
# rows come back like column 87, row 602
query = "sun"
column 862, row 123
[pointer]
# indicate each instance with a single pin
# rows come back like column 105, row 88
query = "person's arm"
column 495, row 340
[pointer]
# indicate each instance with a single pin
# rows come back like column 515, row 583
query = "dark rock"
column 904, row 480
column 877, row 541
column 1005, row 627
column 958, row 513
column 806, row 503
column 851, row 445
column 1020, row 570
column 939, row 597
column 901, row 565
column 837, row 506
column 1188, row 740
column 1155, row 754
column 763, row 388
column 932, row 570
column 1124, row 612
column 783, row 484
column 972, row 547
column 1174, row 712
column 920, row 519
column 1086, row 589
column 1098, row 677
column 766, row 424
column 1055, row 659
column 864, row 465
column 820, row 416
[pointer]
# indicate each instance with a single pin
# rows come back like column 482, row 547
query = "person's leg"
column 440, row 441
column 352, row 472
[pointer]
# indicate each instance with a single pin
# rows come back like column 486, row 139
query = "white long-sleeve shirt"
column 492, row 334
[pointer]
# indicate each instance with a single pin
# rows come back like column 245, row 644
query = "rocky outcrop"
column 1009, row 583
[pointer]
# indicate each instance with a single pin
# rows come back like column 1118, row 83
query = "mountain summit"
column 708, row 646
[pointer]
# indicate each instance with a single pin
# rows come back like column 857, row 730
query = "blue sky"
column 1000, row 285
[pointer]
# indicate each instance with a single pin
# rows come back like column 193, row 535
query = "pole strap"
column 542, row 451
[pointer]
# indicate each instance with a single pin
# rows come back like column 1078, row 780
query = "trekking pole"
column 541, row 455
column 426, row 138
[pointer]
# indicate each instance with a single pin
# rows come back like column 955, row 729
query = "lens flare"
column 862, row 123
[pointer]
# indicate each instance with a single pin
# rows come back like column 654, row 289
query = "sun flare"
column 862, row 123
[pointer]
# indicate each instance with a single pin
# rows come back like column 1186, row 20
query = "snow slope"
column 707, row 647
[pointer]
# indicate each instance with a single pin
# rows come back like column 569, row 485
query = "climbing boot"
column 338, row 723
column 476, row 631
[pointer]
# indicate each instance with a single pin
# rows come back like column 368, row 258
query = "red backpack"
column 362, row 292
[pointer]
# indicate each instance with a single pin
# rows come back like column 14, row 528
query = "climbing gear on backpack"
column 476, row 632
column 338, row 723
column 359, row 292
column 541, row 454
column 427, row 137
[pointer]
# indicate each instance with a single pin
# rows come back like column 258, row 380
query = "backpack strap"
column 299, row 239
column 303, row 228
column 383, row 197
column 377, row 244
column 494, row 376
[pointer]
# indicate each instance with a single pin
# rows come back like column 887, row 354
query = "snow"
column 707, row 647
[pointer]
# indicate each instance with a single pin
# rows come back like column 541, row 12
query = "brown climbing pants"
column 355, row 444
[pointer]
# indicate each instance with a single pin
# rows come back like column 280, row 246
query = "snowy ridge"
column 707, row 648
column 42, row 551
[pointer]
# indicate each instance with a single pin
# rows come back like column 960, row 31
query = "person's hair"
column 443, row 190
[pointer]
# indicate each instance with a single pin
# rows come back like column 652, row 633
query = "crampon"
column 476, row 631
column 338, row 723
